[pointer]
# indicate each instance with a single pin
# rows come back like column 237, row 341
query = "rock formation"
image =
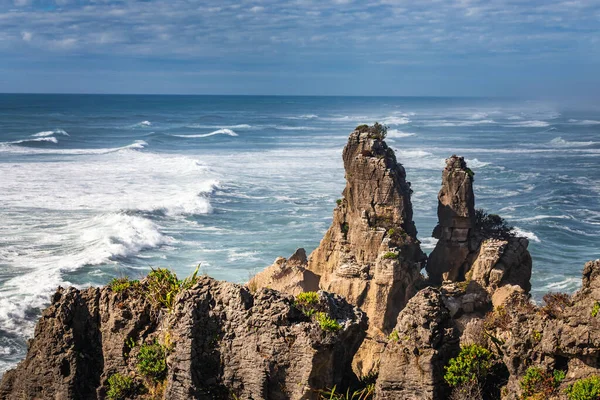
column 455, row 229
column 289, row 276
column 563, row 334
column 219, row 339
column 425, row 338
column 370, row 255
column 473, row 245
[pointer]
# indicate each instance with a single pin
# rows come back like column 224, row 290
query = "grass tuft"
column 152, row 361
column 120, row 387
column 327, row 323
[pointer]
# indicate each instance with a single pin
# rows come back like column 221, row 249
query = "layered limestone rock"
column 563, row 334
column 473, row 246
column 424, row 340
column 220, row 341
column 455, row 229
column 370, row 254
column 289, row 276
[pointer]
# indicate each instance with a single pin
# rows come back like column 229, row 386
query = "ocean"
column 100, row 186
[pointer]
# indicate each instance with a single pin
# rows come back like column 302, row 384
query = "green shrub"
column 376, row 131
column 338, row 202
column 470, row 172
column 365, row 393
column 163, row 286
column 538, row 382
column 391, row 232
column 473, row 363
column 307, row 298
column 394, row 336
column 120, row 387
column 152, row 361
column 362, row 128
column 595, row 309
column 121, row 284
column 327, row 323
column 306, row 302
column 585, row 389
column 390, row 255
column 492, row 225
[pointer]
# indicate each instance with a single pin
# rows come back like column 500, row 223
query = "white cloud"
column 27, row 36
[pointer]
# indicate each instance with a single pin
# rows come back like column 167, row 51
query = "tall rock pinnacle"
column 370, row 254
column 456, row 214
column 473, row 245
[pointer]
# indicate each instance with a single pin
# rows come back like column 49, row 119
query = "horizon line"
column 254, row 95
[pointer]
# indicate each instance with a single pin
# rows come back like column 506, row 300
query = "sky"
column 303, row 47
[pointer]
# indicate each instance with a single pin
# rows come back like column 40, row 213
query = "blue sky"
column 384, row 47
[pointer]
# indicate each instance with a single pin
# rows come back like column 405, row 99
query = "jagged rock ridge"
column 220, row 341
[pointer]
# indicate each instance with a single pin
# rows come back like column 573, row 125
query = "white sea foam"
column 143, row 124
column 10, row 148
column 526, row 234
column 349, row 118
column 475, row 163
column 296, row 128
column 479, row 115
column 41, row 139
column 96, row 240
column 428, row 243
column 560, row 142
column 227, row 132
column 395, row 133
column 451, row 123
column 304, row 116
column 395, row 120
column 239, row 126
column 528, row 124
column 95, row 212
column 50, row 133
column 542, row 217
column 584, row 122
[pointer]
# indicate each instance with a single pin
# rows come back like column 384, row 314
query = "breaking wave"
column 50, row 133
column 227, row 132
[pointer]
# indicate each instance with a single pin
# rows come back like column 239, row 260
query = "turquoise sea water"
column 93, row 187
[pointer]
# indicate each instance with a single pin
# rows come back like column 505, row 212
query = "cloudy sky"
column 383, row 47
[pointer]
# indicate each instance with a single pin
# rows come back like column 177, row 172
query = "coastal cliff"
column 356, row 316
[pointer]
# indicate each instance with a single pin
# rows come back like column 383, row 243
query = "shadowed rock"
column 456, row 216
column 220, row 341
column 496, row 260
column 424, row 340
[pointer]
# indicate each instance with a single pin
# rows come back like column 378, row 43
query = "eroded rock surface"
column 456, row 223
column 290, row 276
column 497, row 261
column 370, row 254
column 562, row 335
column 425, row 338
column 221, row 340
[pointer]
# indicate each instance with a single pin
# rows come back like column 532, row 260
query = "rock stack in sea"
column 358, row 305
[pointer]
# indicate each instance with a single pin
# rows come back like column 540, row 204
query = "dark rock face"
column 562, row 336
column 500, row 265
column 425, row 338
column 456, row 215
column 223, row 341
